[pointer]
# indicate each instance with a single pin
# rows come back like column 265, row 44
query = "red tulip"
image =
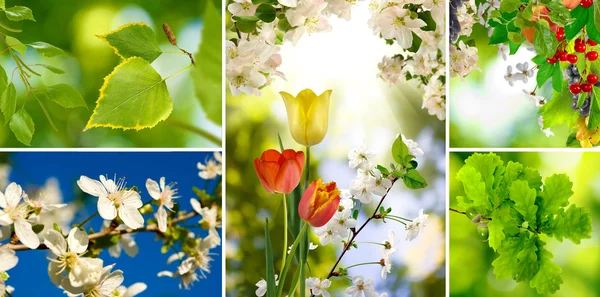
column 279, row 173
column 319, row 203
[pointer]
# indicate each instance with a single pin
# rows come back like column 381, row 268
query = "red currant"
column 562, row 56
column 580, row 47
column 551, row 60
column 575, row 89
column 560, row 34
column 586, row 88
column 572, row 58
column 592, row 79
column 592, row 56
column 591, row 42
column 578, row 41
column 586, row 3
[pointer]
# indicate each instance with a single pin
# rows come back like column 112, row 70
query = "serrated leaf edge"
column 122, row 27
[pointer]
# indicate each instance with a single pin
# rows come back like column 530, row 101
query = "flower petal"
column 113, row 281
column 131, row 217
column 267, row 174
column 55, row 242
column 196, row 205
column 26, row 234
column 135, row 289
column 153, row 189
column 13, row 194
column 161, row 219
column 54, row 273
column 106, row 208
column 8, row 259
column 129, row 246
column 92, row 187
column 288, row 176
column 78, row 241
column 132, row 199
column 5, row 219
column 2, row 200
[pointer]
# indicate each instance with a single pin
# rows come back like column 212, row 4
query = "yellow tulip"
column 308, row 116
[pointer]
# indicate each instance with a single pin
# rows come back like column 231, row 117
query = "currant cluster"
column 454, row 24
column 576, row 87
column 586, row 3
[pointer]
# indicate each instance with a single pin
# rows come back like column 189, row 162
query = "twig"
column 107, row 232
column 457, row 211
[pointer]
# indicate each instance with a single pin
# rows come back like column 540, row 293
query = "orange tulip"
column 279, row 172
column 319, row 203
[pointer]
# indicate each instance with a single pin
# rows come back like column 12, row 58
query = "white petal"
column 135, row 289
column 131, row 217
column 55, row 242
column 5, row 219
column 106, row 208
column 115, row 250
column 153, row 189
column 113, row 281
column 13, row 194
column 161, row 218
column 2, row 200
column 8, row 259
column 129, row 246
column 26, row 234
column 53, row 273
column 92, row 187
column 166, row 273
column 78, row 241
column 196, row 205
column 132, row 199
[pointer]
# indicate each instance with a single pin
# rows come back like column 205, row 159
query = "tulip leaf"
column 134, row 40
column 207, row 76
column 134, row 96
column 19, row 13
column 46, row 49
column 61, row 94
column 269, row 257
column 22, row 125
column 9, row 102
column 414, row 180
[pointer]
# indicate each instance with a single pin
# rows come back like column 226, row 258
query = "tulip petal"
column 288, row 176
column 292, row 154
column 318, row 113
column 270, row 156
column 267, row 173
column 304, row 208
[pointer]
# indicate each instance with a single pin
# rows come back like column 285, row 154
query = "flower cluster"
column 74, row 264
column 417, row 26
column 463, row 57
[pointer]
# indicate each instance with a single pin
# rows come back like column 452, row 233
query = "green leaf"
column 269, row 263
column 16, row 44
column 134, row 40
column 266, row 13
column 580, row 18
column 474, row 188
column 544, row 40
column 515, row 37
column 133, row 96
column 3, row 80
column 592, row 31
column 7, row 28
column 9, row 102
column 207, row 75
column 594, row 120
column 557, row 78
column 399, row 150
column 507, row 260
column 246, row 24
column 496, row 229
column 597, row 15
column 558, row 109
column 532, row 177
column 61, row 94
column 527, row 265
column 2, row 5
column 46, row 49
column 547, row 280
column 428, row 19
column 19, row 13
column 544, row 73
column 414, row 180
column 37, row 228
column 556, row 194
column 509, row 5
column 539, row 60
column 53, row 69
column 416, row 43
column 574, row 224
column 22, row 126
column 499, row 35
column 524, row 198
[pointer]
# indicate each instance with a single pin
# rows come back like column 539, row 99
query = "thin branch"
column 458, row 211
column 199, row 131
column 108, row 232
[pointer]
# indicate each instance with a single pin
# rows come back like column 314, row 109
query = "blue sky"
column 31, row 169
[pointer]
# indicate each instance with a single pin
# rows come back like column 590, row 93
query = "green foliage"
column 133, row 96
column 134, row 40
column 407, row 169
column 544, row 39
column 22, row 125
column 46, row 49
column 9, row 102
column 15, row 44
column 61, row 94
column 19, row 13
column 558, row 109
column 518, row 210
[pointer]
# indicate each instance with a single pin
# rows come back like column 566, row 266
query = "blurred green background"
column 471, row 271
column 485, row 111
column 72, row 26
column 362, row 108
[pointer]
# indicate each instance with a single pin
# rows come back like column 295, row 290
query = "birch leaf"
column 134, row 40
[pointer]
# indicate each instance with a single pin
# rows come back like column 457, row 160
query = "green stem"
column 362, row 264
column 285, row 232
column 288, row 262
column 199, row 131
column 369, row 242
column 396, row 220
column 398, row 217
column 87, row 220
column 307, row 167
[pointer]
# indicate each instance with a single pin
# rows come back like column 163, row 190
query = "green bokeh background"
column 471, row 271
column 72, row 26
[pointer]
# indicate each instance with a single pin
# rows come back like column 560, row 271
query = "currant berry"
column 562, row 56
column 591, row 42
column 560, row 34
column 575, row 89
column 572, row 58
column 580, row 47
column 578, row 41
column 551, row 60
column 586, row 88
column 586, row 3
column 592, row 56
column 483, row 231
column 592, row 79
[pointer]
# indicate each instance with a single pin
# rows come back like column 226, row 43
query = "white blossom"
column 8, row 260
column 391, row 70
column 386, row 265
column 395, row 23
column 361, row 287
column 413, row 146
column 212, row 168
column 318, row 287
column 130, row 291
column 360, row 157
column 417, row 225
column 15, row 213
column 210, row 219
column 242, row 8
column 164, row 194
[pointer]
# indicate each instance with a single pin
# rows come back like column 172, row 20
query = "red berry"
column 561, row 30
column 592, row 56
column 551, row 60
column 572, row 58
column 578, row 41
column 575, row 89
column 591, row 42
column 586, row 88
column 580, row 47
column 559, row 36
column 586, row 3
column 592, row 79
column 562, row 56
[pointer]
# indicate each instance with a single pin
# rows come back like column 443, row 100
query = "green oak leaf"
column 556, row 194
column 22, row 126
column 532, row 177
column 61, row 94
column 574, row 224
column 133, row 96
column 16, row 44
column 496, row 231
column 46, row 49
column 9, row 102
column 134, row 40
column 2, row 4
column 207, row 76
column 474, row 188
column 507, row 261
column 547, row 280
column 524, row 198
column 19, row 13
